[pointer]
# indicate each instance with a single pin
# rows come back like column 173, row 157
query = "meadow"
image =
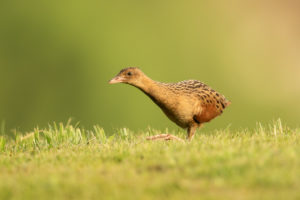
column 56, row 58
column 65, row 161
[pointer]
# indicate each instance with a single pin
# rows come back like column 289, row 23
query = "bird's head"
column 130, row 75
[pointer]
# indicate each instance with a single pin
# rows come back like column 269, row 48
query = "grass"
column 67, row 162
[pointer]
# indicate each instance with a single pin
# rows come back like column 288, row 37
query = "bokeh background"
column 56, row 58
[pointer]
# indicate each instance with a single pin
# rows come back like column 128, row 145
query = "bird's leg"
column 190, row 132
column 164, row 137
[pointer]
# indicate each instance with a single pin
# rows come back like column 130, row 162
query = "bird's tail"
column 227, row 103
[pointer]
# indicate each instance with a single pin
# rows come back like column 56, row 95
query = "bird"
column 189, row 103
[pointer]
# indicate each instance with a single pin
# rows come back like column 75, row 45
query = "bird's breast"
column 177, row 107
column 179, row 110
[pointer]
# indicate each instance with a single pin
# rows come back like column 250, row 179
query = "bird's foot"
column 164, row 137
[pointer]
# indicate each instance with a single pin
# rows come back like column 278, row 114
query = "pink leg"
column 164, row 137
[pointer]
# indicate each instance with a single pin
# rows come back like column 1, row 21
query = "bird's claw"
column 164, row 137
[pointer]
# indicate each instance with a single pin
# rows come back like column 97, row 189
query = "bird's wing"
column 212, row 104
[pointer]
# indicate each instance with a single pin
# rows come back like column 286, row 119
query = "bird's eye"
column 129, row 73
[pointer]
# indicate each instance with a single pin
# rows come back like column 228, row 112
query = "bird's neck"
column 155, row 90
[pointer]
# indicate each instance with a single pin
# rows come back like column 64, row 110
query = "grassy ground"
column 65, row 162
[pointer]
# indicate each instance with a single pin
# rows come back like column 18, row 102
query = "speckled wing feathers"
column 212, row 103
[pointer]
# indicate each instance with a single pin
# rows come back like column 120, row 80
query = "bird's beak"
column 116, row 79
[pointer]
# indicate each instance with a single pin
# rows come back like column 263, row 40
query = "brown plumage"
column 188, row 103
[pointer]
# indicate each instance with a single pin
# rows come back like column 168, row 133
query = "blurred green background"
column 56, row 58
